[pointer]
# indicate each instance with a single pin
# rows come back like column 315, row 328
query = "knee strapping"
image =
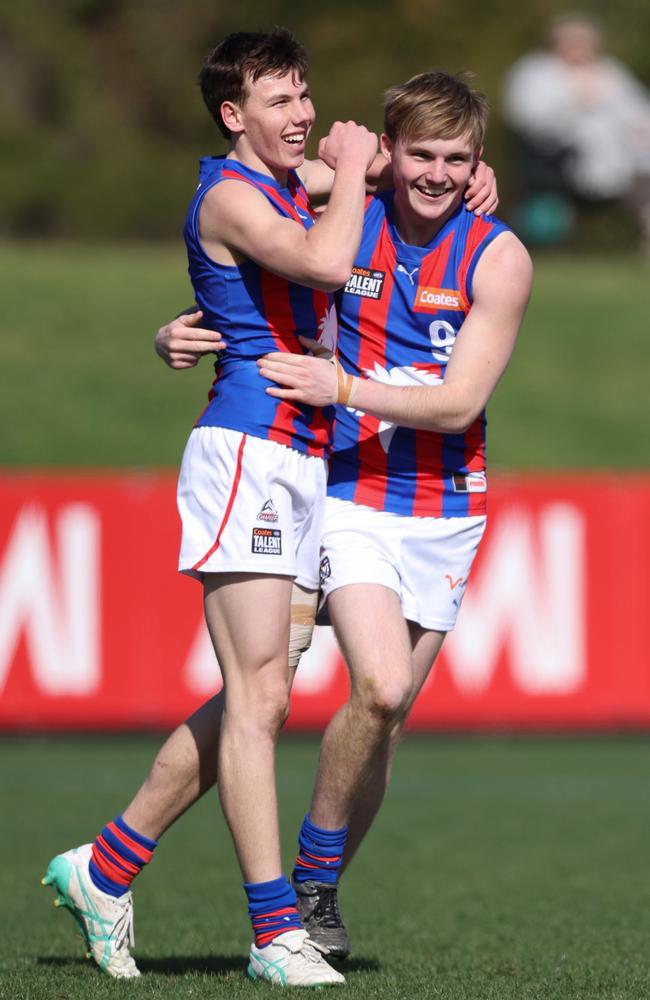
column 303, row 615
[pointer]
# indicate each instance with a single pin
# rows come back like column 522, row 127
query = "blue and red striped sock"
column 272, row 909
column 321, row 853
column 119, row 854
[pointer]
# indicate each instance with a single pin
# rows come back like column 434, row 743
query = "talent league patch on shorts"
column 267, row 541
column 470, row 482
column 365, row 282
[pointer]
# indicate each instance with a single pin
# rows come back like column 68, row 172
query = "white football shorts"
column 249, row 505
column 425, row 560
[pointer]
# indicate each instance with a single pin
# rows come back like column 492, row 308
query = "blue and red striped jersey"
column 399, row 315
column 257, row 312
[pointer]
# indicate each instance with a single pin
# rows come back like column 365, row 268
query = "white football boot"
column 106, row 922
column 291, row 960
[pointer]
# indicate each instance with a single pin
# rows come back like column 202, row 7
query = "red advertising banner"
column 97, row 630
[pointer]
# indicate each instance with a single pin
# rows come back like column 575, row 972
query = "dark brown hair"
column 247, row 55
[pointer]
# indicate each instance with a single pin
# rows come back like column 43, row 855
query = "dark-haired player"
column 252, row 482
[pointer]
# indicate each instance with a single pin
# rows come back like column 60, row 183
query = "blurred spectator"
column 582, row 122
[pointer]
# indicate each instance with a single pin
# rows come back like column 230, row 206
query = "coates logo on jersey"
column 365, row 282
column 429, row 299
column 267, row 542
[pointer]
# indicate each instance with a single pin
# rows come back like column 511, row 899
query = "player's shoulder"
column 478, row 223
column 506, row 262
column 381, row 200
column 506, row 246
column 232, row 192
column 379, row 204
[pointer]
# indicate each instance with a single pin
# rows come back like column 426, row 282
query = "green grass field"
column 82, row 386
column 499, row 868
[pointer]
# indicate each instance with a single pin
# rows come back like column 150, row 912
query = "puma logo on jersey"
column 268, row 512
column 409, row 274
column 469, row 482
column 429, row 299
column 369, row 284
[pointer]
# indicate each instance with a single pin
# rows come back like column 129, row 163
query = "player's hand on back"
column 347, row 139
column 301, row 378
column 481, row 196
column 182, row 343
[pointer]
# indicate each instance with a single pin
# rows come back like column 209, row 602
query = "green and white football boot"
column 106, row 922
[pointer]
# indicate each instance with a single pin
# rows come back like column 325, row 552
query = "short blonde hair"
column 435, row 105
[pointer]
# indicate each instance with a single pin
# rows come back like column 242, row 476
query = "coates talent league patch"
column 267, row 541
column 365, row 282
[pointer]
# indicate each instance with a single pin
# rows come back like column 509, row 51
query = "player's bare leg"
column 355, row 740
column 381, row 682
column 425, row 646
column 186, row 765
column 248, row 620
column 358, row 745
column 184, row 769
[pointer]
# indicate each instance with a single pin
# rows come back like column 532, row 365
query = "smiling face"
column 429, row 176
column 270, row 128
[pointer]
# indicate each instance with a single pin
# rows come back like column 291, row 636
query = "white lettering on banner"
column 529, row 598
column 203, row 675
column 202, row 672
column 59, row 613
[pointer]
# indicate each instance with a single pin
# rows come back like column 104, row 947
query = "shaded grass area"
column 82, row 386
column 499, row 868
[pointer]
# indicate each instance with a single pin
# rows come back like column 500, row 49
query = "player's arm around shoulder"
column 236, row 220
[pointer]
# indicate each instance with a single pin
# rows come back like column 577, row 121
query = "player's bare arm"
column 483, row 347
column 182, row 342
column 237, row 222
column 318, row 175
